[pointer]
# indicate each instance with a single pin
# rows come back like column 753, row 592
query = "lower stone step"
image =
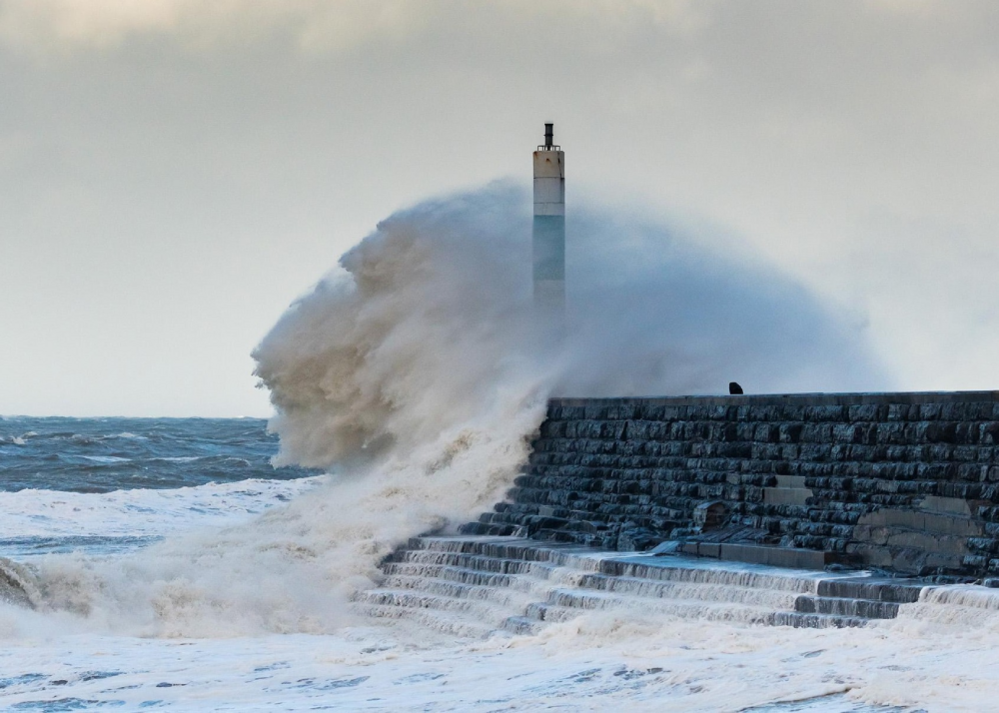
column 440, row 622
column 521, row 625
column 800, row 620
column 762, row 554
column 407, row 599
column 685, row 608
column 646, row 587
column 883, row 589
column 862, row 608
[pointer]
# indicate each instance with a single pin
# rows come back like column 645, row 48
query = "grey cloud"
column 190, row 171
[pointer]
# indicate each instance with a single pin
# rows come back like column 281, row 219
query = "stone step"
column 639, row 587
column 535, row 576
column 449, row 573
column 658, row 569
column 549, row 612
column 485, row 612
column 541, row 559
column 489, row 560
column 762, row 554
column 442, row 622
column 481, row 528
column 480, row 563
column 800, row 620
column 555, row 613
column 474, row 583
column 877, row 588
column 521, row 625
column 715, row 585
column 665, row 568
column 690, row 608
column 508, row 548
column 671, row 582
column 499, row 595
column 862, row 608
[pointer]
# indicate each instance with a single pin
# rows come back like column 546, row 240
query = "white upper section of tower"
column 549, row 182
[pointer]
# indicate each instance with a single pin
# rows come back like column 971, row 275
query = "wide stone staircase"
column 477, row 585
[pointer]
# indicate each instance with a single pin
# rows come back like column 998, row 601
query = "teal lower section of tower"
column 549, row 262
column 549, row 247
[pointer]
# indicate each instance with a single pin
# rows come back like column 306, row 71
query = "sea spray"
column 416, row 374
column 428, row 324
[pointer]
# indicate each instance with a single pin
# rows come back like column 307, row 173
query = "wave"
column 417, row 373
column 107, row 459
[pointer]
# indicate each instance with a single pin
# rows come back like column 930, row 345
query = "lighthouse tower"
column 549, row 227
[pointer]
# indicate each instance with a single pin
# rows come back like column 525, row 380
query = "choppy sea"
column 106, row 490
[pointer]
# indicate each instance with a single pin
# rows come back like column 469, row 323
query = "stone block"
column 862, row 412
column 790, row 432
column 790, row 481
column 776, row 556
column 878, row 536
column 954, row 411
column 873, row 556
column 939, row 561
column 988, row 432
column 828, row 412
column 899, row 412
column 975, row 563
column 929, row 411
column 950, row 506
column 786, row 496
column 983, row 544
column 891, row 433
column 703, row 549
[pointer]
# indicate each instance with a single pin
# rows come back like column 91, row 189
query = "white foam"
column 49, row 513
column 107, row 459
column 599, row 662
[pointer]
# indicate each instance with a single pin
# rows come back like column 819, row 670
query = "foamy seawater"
column 59, row 659
column 109, row 485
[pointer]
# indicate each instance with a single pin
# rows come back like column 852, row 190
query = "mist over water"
column 659, row 311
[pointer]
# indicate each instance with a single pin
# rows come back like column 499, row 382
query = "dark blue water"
column 99, row 455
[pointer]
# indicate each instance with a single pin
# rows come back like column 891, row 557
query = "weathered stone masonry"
column 905, row 482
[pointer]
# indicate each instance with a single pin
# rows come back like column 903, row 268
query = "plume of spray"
column 416, row 374
column 429, row 324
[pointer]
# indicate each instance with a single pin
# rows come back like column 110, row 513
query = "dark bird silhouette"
column 734, row 388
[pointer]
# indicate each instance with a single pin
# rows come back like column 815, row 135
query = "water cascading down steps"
column 756, row 497
column 475, row 585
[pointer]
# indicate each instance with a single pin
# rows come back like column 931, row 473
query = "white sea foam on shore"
column 599, row 661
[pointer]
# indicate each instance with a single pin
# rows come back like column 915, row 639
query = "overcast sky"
column 173, row 173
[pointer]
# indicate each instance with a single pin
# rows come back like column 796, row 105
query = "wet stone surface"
column 906, row 483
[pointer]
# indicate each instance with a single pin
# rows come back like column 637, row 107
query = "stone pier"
column 907, row 483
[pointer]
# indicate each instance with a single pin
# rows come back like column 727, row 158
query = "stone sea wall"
column 905, row 482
